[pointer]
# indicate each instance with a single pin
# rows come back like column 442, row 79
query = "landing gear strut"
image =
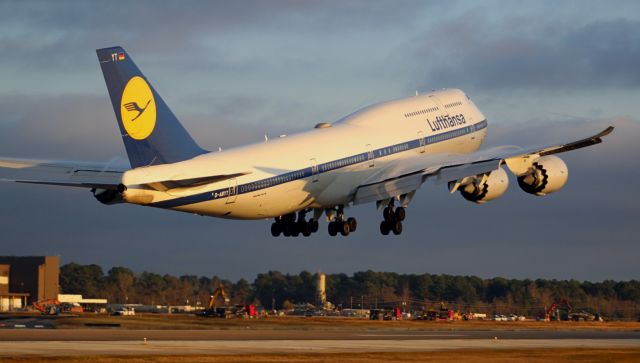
column 393, row 218
column 288, row 225
column 339, row 224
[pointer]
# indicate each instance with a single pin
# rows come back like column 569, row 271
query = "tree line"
column 363, row 289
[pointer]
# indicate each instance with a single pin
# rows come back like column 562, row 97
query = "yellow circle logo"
column 138, row 109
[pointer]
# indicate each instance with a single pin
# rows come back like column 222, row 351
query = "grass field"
column 550, row 355
column 183, row 321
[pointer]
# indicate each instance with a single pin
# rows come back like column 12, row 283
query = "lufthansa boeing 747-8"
column 382, row 153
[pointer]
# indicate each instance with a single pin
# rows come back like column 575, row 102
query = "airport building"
column 24, row 280
column 9, row 301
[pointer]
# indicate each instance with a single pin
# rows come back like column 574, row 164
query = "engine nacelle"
column 107, row 196
column 482, row 189
column 548, row 174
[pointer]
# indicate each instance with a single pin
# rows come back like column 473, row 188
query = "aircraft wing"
column 62, row 173
column 407, row 176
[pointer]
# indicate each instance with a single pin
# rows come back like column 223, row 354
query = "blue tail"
column 151, row 133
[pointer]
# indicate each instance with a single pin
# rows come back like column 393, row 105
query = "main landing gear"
column 339, row 224
column 393, row 218
column 289, row 226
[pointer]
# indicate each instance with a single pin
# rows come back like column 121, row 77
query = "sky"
column 541, row 72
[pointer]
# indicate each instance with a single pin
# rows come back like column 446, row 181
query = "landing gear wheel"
column 397, row 227
column 295, row 229
column 286, row 230
column 344, row 228
column 387, row 213
column 353, row 224
column 306, row 229
column 333, row 228
column 276, row 229
column 400, row 214
column 314, row 226
column 384, row 228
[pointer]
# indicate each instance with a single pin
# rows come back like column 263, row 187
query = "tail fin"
column 151, row 133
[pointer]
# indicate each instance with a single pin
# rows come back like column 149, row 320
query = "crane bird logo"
column 138, row 121
column 133, row 106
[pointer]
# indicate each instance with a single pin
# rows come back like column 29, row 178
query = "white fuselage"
column 321, row 168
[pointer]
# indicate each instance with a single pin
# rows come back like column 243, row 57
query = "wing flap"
column 388, row 188
column 455, row 172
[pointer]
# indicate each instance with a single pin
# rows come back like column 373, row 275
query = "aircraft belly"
column 340, row 185
column 278, row 200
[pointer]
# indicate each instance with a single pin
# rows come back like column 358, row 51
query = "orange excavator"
column 558, row 311
column 55, row 307
column 47, row 306
column 217, row 312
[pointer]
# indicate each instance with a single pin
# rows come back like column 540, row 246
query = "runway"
column 93, row 342
column 207, row 347
column 299, row 334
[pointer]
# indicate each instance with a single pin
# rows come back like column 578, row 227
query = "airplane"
column 382, row 153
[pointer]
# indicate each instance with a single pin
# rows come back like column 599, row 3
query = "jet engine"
column 107, row 196
column 485, row 187
column 548, row 174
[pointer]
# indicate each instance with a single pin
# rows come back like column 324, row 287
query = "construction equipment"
column 47, row 306
column 55, row 307
column 558, row 311
column 444, row 313
column 218, row 312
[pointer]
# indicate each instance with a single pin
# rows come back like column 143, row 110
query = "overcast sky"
column 232, row 71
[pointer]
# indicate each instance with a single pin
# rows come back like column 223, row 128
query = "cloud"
column 83, row 127
column 478, row 54
column 41, row 32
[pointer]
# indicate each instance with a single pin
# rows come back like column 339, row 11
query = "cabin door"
column 233, row 191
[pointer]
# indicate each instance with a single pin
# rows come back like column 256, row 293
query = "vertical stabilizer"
column 151, row 133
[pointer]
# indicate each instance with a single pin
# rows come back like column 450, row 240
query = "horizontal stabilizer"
column 62, row 173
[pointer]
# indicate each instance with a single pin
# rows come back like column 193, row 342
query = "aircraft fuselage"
column 320, row 168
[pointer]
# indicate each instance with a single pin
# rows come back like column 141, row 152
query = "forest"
column 366, row 289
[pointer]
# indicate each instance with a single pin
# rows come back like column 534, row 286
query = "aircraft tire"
column 276, row 229
column 295, row 230
column 387, row 214
column 333, row 228
column 353, row 224
column 400, row 214
column 397, row 228
column 384, row 228
column 344, row 228
column 286, row 229
column 306, row 228
column 314, row 226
